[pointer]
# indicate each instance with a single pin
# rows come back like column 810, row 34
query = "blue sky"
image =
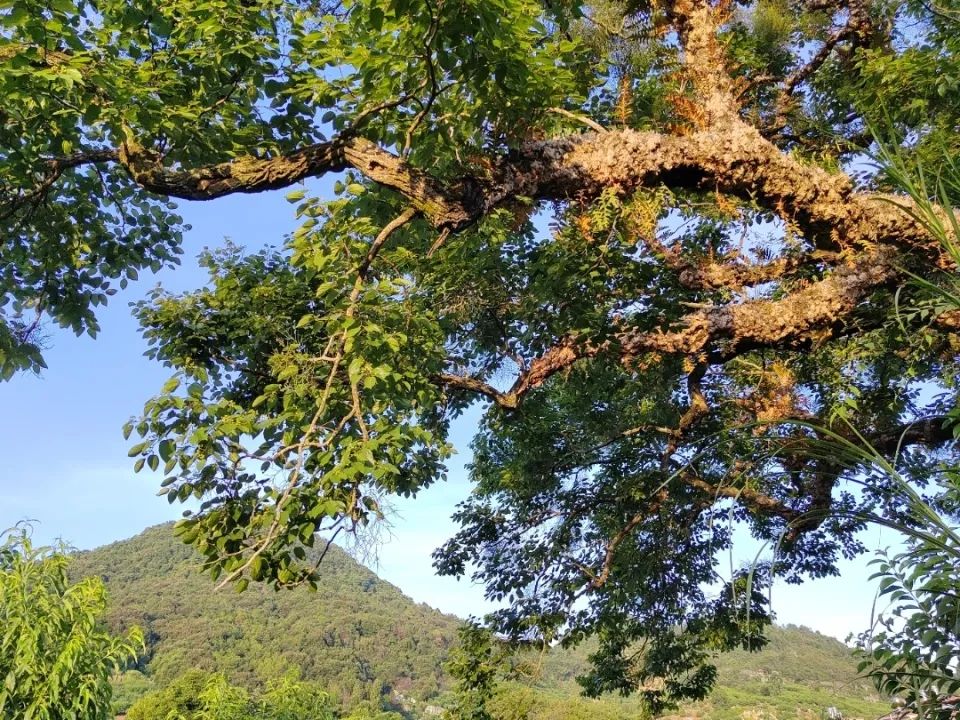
column 65, row 461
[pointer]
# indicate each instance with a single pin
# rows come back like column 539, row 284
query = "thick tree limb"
column 705, row 61
column 733, row 159
column 444, row 208
column 242, row 175
column 799, row 318
column 736, row 161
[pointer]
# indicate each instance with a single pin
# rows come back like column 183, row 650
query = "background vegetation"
column 370, row 649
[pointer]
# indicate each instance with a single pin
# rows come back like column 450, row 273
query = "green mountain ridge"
column 364, row 640
column 359, row 634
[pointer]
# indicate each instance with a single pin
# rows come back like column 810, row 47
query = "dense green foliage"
column 197, row 696
column 911, row 652
column 128, row 687
column 799, row 674
column 622, row 224
column 479, row 663
column 55, row 661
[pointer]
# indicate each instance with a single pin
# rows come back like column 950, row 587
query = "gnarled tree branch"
column 804, row 316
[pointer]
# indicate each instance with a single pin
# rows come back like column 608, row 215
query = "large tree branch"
column 444, row 207
column 242, row 175
column 705, row 60
column 726, row 155
column 733, row 159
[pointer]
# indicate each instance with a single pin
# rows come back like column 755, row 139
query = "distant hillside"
column 795, row 655
column 356, row 633
column 799, row 674
column 362, row 638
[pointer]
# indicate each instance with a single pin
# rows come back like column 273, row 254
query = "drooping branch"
column 857, row 29
column 697, row 410
column 650, row 509
column 930, row 431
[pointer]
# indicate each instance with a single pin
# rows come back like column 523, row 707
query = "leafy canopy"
column 624, row 226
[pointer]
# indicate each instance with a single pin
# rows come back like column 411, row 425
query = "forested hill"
column 799, row 674
column 362, row 638
column 355, row 633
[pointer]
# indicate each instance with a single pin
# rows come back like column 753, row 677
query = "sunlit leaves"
column 302, row 400
column 912, row 648
column 310, row 383
column 55, row 660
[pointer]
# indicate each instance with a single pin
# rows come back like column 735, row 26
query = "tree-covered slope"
column 355, row 634
column 798, row 674
column 361, row 637
column 795, row 655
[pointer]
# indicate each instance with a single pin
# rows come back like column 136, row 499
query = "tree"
column 479, row 663
column 54, row 660
column 181, row 698
column 711, row 265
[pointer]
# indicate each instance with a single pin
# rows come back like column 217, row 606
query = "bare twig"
column 590, row 123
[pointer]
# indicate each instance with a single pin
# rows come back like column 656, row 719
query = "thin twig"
column 592, row 124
